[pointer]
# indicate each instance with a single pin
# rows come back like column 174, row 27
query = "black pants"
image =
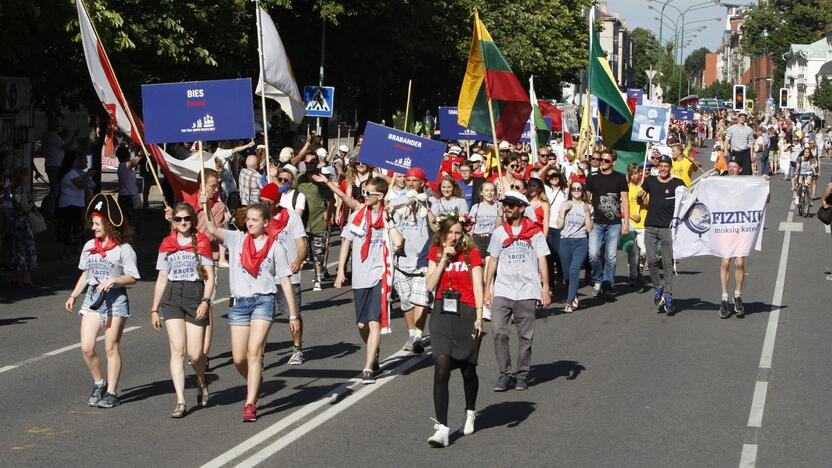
column 442, row 366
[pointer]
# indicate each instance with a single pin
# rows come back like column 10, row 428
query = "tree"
column 773, row 26
column 822, row 98
column 645, row 51
column 719, row 90
column 695, row 65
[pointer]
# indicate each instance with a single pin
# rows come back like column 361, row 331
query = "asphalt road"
column 614, row 384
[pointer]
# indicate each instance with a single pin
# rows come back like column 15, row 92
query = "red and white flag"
column 179, row 174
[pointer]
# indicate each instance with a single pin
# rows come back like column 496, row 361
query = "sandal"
column 203, row 397
column 568, row 309
column 179, row 411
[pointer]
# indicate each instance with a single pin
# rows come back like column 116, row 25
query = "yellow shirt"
column 634, row 206
column 682, row 169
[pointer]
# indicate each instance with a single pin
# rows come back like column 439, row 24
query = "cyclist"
column 807, row 170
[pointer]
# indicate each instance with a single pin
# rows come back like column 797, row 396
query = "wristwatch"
column 206, row 300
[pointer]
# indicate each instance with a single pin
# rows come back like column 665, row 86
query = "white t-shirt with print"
column 274, row 267
column 294, row 230
column 518, row 270
column 365, row 274
column 118, row 261
column 181, row 265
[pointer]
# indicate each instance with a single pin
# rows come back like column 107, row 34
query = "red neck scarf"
column 367, row 213
column 102, row 248
column 251, row 258
column 170, row 244
column 193, row 200
column 527, row 231
column 278, row 222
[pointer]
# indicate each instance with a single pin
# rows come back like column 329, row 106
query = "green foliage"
column 645, row 50
column 773, row 26
column 822, row 98
column 719, row 90
column 372, row 46
column 695, row 62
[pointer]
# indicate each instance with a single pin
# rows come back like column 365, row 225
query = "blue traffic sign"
column 319, row 100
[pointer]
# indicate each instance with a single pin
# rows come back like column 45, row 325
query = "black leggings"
column 442, row 367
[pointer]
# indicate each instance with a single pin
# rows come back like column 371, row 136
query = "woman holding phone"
column 455, row 272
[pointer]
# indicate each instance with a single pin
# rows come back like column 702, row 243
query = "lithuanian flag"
column 615, row 120
column 488, row 76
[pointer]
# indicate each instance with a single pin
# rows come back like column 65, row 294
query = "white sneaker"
column 596, row 289
column 316, row 286
column 296, row 359
column 796, row 202
column 470, row 417
column 440, row 437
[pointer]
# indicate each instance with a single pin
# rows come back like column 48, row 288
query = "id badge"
column 450, row 306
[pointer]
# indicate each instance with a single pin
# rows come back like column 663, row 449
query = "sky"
column 636, row 14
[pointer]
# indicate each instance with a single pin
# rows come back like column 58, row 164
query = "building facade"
column 616, row 42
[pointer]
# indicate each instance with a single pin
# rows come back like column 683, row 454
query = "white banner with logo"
column 722, row 216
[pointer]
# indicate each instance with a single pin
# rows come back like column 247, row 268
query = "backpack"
column 305, row 216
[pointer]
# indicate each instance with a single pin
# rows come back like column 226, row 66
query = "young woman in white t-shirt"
column 108, row 265
column 257, row 265
column 181, row 298
column 71, row 201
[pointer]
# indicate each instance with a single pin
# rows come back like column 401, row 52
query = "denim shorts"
column 246, row 309
column 115, row 303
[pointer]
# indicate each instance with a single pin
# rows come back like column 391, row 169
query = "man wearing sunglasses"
column 609, row 191
column 515, row 280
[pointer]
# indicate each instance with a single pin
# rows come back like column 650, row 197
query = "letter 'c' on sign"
column 649, row 132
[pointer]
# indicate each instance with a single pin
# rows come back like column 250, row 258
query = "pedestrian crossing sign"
column 319, row 100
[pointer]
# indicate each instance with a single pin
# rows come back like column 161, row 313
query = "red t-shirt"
column 457, row 274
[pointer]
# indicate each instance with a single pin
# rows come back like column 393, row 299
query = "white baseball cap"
column 475, row 158
column 286, row 154
column 344, row 149
column 504, row 145
column 516, row 197
column 455, row 150
column 321, row 152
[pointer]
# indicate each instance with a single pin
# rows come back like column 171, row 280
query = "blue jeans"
column 607, row 235
column 572, row 255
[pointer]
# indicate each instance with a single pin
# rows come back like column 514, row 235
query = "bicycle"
column 804, row 200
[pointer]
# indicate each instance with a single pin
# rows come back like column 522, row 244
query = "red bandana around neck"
column 527, row 231
column 367, row 213
column 102, row 248
column 193, row 200
column 278, row 222
column 250, row 257
column 170, row 244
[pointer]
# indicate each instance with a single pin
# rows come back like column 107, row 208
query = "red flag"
column 109, row 92
column 558, row 124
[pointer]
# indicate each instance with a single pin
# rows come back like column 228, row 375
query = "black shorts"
column 181, row 300
column 367, row 304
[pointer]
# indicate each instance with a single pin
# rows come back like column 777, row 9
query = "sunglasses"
column 606, row 160
column 179, row 219
column 366, row 193
column 654, row 157
column 512, row 205
column 595, row 159
column 576, row 189
column 516, row 187
column 282, row 180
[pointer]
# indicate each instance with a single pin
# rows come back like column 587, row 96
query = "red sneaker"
column 249, row 413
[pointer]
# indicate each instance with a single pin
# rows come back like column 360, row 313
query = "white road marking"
column 54, row 353
column 789, row 226
column 826, row 228
column 360, row 392
column 748, row 458
column 758, row 404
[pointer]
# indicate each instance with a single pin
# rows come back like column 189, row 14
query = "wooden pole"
column 129, row 113
column 262, row 94
column 407, row 107
column 201, row 166
column 495, row 149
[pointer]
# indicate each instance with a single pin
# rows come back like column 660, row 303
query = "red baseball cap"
column 270, row 192
column 416, row 172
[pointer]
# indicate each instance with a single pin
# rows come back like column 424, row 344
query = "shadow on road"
column 15, row 321
column 306, row 394
column 685, row 305
column 507, row 413
column 543, row 373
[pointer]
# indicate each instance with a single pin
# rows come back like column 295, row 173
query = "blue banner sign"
column 198, row 111
column 682, row 114
column 636, row 93
column 398, row 151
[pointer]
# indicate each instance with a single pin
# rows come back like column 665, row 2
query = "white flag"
column 723, row 217
column 276, row 76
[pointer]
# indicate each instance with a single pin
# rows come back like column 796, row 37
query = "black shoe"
column 505, row 382
column 367, row 377
column 724, row 311
column 326, row 275
column 418, row 346
column 739, row 308
column 108, row 400
column 521, row 384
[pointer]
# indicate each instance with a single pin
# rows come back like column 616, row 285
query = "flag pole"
column 495, row 150
column 129, row 112
column 263, row 90
column 532, row 123
column 201, row 166
column 407, row 107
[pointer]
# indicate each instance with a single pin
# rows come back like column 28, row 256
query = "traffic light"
column 739, row 97
column 749, row 105
column 784, row 98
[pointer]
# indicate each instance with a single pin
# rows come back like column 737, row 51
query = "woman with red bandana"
column 108, row 265
column 258, row 263
column 181, row 298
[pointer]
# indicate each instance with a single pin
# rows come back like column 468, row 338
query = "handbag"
column 825, row 215
column 38, row 223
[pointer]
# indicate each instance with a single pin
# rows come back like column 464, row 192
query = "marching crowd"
column 478, row 242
